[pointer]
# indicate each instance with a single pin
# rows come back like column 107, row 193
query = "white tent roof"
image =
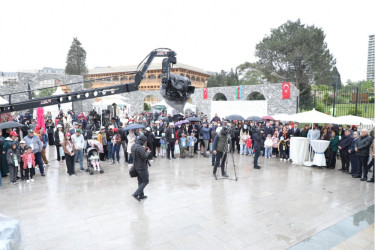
column 282, row 117
column 313, row 116
column 59, row 91
column 3, row 101
column 354, row 120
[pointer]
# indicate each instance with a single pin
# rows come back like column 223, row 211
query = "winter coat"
column 170, row 135
column 243, row 136
column 10, row 156
column 205, row 133
column 333, row 143
column 363, row 144
column 257, row 140
column 24, row 160
column 344, row 143
column 140, row 154
column 50, row 127
column 66, row 151
column 131, row 140
column 57, row 138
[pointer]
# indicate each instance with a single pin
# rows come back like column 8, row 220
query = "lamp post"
column 335, row 82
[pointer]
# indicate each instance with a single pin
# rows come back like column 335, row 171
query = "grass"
column 364, row 110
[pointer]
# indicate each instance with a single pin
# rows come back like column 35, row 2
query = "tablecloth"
column 319, row 146
column 299, row 149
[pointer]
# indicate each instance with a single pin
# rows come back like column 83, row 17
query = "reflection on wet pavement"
column 272, row 208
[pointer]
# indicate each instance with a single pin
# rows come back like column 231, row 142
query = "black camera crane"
column 168, row 88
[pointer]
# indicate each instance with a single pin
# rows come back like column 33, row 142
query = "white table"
column 319, row 146
column 299, row 149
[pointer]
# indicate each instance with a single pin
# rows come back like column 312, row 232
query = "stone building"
column 113, row 75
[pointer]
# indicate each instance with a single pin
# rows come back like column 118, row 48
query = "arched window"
column 255, row 96
column 193, row 78
column 219, row 97
column 151, row 77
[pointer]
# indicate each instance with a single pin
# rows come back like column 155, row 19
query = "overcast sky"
column 212, row 35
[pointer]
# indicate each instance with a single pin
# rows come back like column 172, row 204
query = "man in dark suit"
column 344, row 145
column 295, row 131
column 352, row 156
column 268, row 130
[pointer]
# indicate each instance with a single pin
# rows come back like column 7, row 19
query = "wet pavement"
column 277, row 207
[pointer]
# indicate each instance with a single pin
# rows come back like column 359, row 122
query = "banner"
column 286, row 90
column 205, row 93
column 238, row 92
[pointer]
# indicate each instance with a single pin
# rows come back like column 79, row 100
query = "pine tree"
column 76, row 59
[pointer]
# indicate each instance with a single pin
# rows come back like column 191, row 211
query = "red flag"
column 205, row 93
column 286, row 90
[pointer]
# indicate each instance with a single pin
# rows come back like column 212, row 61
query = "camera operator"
column 115, row 114
column 141, row 155
column 258, row 143
column 220, row 149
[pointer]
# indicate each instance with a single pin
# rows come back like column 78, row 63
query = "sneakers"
column 281, row 159
column 27, row 181
column 111, row 162
column 15, row 182
column 32, row 180
column 82, row 170
column 284, row 159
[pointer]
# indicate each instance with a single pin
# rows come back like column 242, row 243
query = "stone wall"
column 271, row 92
column 34, row 79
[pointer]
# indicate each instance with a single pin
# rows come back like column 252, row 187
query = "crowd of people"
column 24, row 148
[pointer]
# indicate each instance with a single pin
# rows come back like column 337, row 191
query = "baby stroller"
column 92, row 157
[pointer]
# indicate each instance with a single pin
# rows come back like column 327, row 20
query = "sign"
column 205, row 93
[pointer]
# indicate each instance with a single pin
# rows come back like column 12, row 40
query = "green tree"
column 43, row 93
column 250, row 75
column 76, row 59
column 298, row 53
column 223, row 79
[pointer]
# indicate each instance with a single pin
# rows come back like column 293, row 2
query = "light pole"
column 335, row 82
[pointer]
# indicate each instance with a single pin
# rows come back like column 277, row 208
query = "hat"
column 67, row 134
column 75, row 123
column 148, row 129
column 171, row 123
column 22, row 142
column 97, row 132
column 13, row 133
column 111, row 127
column 102, row 127
column 162, row 134
column 79, row 131
column 30, row 131
column 354, row 126
column 59, row 126
column 37, row 127
column 115, row 130
column 157, row 122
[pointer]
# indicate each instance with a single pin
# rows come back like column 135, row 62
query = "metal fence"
column 345, row 101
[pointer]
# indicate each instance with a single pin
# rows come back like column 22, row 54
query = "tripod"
column 226, row 163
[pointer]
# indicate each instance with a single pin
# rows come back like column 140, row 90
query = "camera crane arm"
column 168, row 62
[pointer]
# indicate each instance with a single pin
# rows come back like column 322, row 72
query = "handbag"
column 132, row 172
column 177, row 149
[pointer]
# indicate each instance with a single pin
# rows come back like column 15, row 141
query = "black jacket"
column 344, row 143
column 50, row 127
column 257, row 139
column 363, row 145
column 294, row 132
column 352, row 146
column 140, row 154
column 268, row 131
column 168, row 134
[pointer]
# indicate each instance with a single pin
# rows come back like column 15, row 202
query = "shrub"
column 352, row 111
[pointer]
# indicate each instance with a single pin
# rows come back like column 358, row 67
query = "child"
column 268, row 146
column 13, row 159
column 183, row 145
column 249, row 145
column 28, row 159
column 94, row 158
column 22, row 150
column 163, row 145
column 191, row 141
column 275, row 144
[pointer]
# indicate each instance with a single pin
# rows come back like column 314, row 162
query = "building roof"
column 153, row 66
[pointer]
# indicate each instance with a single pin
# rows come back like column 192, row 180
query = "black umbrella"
column 177, row 118
column 254, row 118
column 6, row 125
column 193, row 119
column 235, row 117
column 134, row 126
column 164, row 118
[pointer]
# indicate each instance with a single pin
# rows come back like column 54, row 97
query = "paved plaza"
column 277, row 207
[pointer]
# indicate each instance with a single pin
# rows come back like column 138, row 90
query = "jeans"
column 249, row 151
column 39, row 162
column 116, row 151
column 78, row 155
column 257, row 153
column 142, row 182
column 267, row 152
column 220, row 158
column 213, row 159
column 243, row 149
column 110, row 148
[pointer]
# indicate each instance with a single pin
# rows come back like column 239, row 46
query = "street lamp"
column 335, row 81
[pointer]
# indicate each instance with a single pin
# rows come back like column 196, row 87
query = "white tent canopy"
column 282, row 117
column 312, row 116
column 354, row 120
column 3, row 101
